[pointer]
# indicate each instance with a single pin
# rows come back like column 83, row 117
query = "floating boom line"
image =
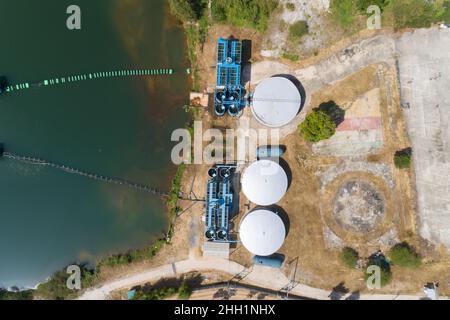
column 93, row 176
column 90, row 76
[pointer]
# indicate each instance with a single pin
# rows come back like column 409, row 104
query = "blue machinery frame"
column 219, row 202
column 229, row 95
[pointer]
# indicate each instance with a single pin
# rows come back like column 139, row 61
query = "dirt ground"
column 309, row 259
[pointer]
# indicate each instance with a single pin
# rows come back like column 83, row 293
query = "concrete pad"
column 424, row 66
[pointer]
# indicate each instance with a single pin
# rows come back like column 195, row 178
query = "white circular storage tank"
column 276, row 102
column 262, row 232
column 264, row 182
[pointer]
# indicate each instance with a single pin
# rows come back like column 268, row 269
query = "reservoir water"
column 114, row 127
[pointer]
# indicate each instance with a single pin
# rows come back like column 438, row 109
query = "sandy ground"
column 263, row 277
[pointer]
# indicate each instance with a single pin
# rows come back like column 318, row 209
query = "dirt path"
column 260, row 276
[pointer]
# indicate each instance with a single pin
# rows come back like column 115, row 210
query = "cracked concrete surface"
column 424, row 67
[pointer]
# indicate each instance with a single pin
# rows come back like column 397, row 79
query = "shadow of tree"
column 355, row 295
column 338, row 292
column 333, row 110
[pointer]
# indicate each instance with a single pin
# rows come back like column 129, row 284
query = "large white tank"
column 276, row 102
column 262, row 232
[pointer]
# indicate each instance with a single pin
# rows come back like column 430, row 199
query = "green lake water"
column 115, row 127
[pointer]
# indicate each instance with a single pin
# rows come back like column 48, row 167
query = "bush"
column 290, row 56
column 19, row 295
column 362, row 5
column 187, row 10
column 385, row 268
column 349, row 257
column 414, row 13
column 253, row 14
column 404, row 256
column 155, row 294
column 185, row 291
column 446, row 11
column 56, row 287
column 402, row 158
column 298, row 30
column 344, row 12
column 290, row 6
column 317, row 126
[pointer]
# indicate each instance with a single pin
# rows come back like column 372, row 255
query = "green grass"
column 188, row 10
column 290, row 56
column 343, row 12
column 254, row 14
column 415, row 13
column 362, row 5
column 184, row 291
column 349, row 257
column 398, row 14
column 298, row 30
column 156, row 294
column 404, row 256
column 446, row 11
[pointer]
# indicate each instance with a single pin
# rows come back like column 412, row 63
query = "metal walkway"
column 93, row 176
column 90, row 76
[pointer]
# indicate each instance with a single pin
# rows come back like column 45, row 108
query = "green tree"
column 385, row 268
column 402, row 158
column 187, row 10
column 404, row 256
column 317, row 126
column 349, row 257
column 18, row 295
column 185, row 291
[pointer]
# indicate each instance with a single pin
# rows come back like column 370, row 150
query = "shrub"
column 362, row 5
column 349, row 257
column 402, row 158
column 343, row 11
column 414, row 13
column 317, row 126
column 298, row 30
column 19, row 295
column 187, row 10
column 404, row 256
column 446, row 11
column 185, row 291
column 385, row 268
column 290, row 56
column 290, row 6
column 155, row 294
column 253, row 14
